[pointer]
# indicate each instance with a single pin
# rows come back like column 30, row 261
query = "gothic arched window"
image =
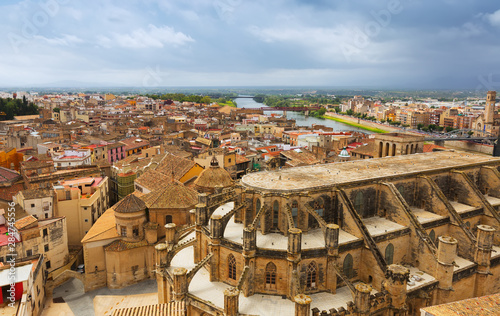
column 276, row 208
column 311, row 275
column 231, row 264
column 389, row 254
column 432, row 235
column 358, row 202
column 348, row 268
column 295, row 211
column 270, row 276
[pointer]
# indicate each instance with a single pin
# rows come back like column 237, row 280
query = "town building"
column 82, row 201
column 72, row 158
column 28, row 290
column 37, row 202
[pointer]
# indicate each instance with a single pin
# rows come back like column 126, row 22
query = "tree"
column 449, row 129
column 205, row 100
column 382, row 121
column 419, row 126
column 57, row 110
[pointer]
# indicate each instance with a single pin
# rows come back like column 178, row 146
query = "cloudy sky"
column 337, row 43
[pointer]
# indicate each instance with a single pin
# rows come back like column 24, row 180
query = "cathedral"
column 384, row 236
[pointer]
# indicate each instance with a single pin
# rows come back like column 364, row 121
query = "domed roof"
column 130, row 204
column 172, row 195
column 214, row 176
column 344, row 153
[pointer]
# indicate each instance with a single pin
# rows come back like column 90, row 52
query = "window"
column 311, row 275
column 432, row 236
column 319, row 206
column 46, row 248
column 32, row 205
column 270, row 276
column 123, row 231
column 68, row 195
column 47, row 264
column 168, row 219
column 135, row 231
column 276, row 208
column 29, row 253
column 46, row 215
column 389, row 254
column 348, row 266
column 257, row 206
column 229, row 160
column 231, row 263
column 295, row 212
column 401, row 190
column 45, row 232
column 358, row 202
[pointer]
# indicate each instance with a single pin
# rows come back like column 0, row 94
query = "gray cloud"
column 419, row 44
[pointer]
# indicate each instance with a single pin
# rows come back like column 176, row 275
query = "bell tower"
column 489, row 110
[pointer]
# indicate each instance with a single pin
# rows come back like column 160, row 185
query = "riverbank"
column 366, row 125
column 228, row 103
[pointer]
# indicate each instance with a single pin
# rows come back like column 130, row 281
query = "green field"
column 228, row 103
column 368, row 128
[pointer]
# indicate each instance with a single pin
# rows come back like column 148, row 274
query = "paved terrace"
column 327, row 175
column 274, row 241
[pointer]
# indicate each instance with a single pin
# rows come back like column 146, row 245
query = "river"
column 300, row 119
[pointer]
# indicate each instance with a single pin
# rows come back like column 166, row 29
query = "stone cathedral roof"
column 325, row 175
column 173, row 195
column 213, row 177
column 130, row 204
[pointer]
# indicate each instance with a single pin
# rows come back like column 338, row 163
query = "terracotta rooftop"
column 300, row 158
column 8, row 175
column 167, row 309
column 130, row 204
column 478, row 306
column 37, row 164
column 134, row 142
column 173, row 195
column 179, row 166
column 368, row 149
column 25, row 222
column 104, row 228
column 37, row 194
column 135, row 162
column 152, row 180
column 241, row 159
column 431, row 147
column 120, row 245
column 204, row 141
